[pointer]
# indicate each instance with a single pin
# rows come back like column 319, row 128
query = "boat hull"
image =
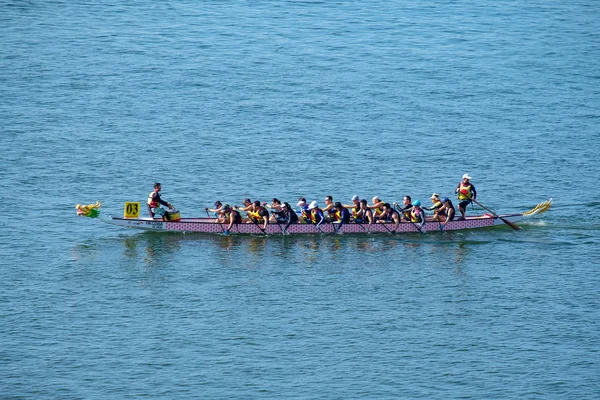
column 205, row 225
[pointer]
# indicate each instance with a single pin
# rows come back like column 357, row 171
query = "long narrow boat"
column 206, row 225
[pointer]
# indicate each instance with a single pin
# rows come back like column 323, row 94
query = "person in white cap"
column 437, row 204
column 377, row 207
column 316, row 214
column 466, row 193
column 304, row 213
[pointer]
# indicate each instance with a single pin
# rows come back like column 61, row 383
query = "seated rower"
column 447, row 211
column 316, row 214
column 231, row 216
column 364, row 215
column 377, row 207
column 354, row 207
column 303, row 211
column 405, row 209
column 329, row 209
column 246, row 207
column 417, row 215
column 437, row 204
column 342, row 215
column 276, row 212
column 217, row 211
column 289, row 216
column 258, row 215
column 388, row 215
column 155, row 202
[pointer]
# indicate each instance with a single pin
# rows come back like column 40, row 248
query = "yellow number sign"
column 132, row 209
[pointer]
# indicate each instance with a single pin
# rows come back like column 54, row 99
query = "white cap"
column 301, row 203
column 313, row 205
column 435, row 196
column 355, row 197
column 466, row 176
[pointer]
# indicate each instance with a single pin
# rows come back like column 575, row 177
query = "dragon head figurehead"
column 91, row 210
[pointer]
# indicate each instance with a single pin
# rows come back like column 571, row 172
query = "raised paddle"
column 507, row 222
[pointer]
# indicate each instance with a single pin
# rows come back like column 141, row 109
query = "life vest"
column 465, row 192
column 415, row 215
column 377, row 212
column 237, row 218
column 314, row 214
column 151, row 202
column 436, row 206
column 305, row 216
column 255, row 215
column 336, row 215
column 356, row 214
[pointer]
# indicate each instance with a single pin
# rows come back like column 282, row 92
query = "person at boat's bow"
column 155, row 202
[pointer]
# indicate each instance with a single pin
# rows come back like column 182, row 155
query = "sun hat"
column 416, row 203
column 466, row 176
column 355, row 197
column 313, row 205
column 435, row 196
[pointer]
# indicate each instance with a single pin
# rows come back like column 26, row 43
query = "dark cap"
column 246, row 200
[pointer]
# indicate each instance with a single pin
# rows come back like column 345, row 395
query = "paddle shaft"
column 410, row 220
column 507, row 222
column 208, row 215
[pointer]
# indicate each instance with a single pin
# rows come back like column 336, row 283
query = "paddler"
column 376, row 207
column 290, row 216
column 354, row 207
column 342, row 215
column 329, row 209
column 446, row 212
column 258, row 215
column 417, row 215
column 364, row 214
column 437, row 204
column 303, row 211
column 232, row 216
column 155, row 202
column 316, row 214
column 388, row 215
column 406, row 208
column 247, row 206
column 466, row 194
column 217, row 211
column 276, row 210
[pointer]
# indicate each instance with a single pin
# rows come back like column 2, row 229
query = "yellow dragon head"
column 91, row 210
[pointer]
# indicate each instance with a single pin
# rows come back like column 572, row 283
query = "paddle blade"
column 507, row 222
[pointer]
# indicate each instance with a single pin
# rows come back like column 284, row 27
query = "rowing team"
column 358, row 212
column 337, row 213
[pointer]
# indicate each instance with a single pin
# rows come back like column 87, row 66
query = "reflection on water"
column 155, row 249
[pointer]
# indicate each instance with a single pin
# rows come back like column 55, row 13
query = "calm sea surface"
column 221, row 100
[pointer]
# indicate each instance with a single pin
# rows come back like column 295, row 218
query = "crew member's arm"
column 157, row 198
column 369, row 215
column 320, row 215
column 396, row 219
column 474, row 192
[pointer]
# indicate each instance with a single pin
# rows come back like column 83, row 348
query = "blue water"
column 232, row 99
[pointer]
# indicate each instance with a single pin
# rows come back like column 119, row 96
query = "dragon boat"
column 208, row 225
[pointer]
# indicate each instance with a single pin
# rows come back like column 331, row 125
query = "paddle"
column 507, row 222
column 208, row 215
column 415, row 225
